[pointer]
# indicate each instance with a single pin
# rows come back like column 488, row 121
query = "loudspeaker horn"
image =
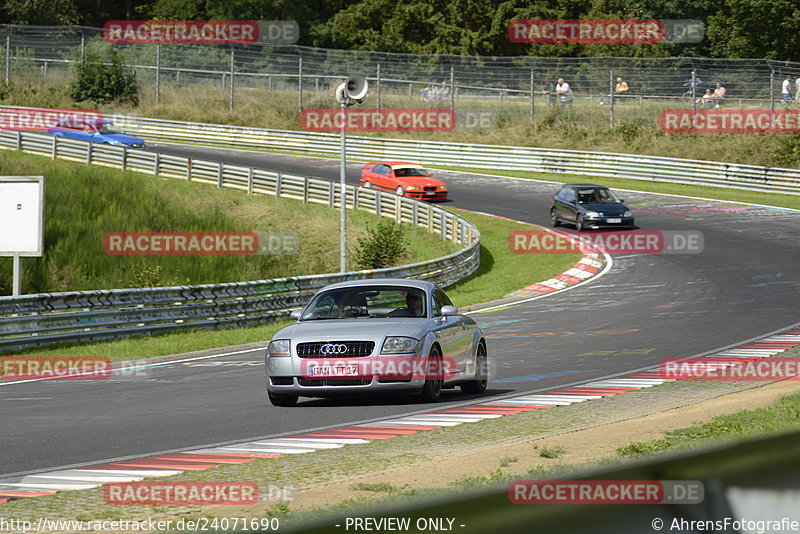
column 354, row 89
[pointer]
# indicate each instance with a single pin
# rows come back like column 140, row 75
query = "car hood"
column 353, row 329
column 613, row 207
column 420, row 181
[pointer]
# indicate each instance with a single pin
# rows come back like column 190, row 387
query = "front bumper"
column 373, row 385
column 596, row 224
column 427, row 195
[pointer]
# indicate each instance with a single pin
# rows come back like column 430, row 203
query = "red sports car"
column 403, row 178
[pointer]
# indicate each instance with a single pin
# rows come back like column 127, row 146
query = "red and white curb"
column 586, row 268
column 51, row 482
column 590, row 265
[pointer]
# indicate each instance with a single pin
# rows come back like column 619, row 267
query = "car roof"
column 394, row 163
column 575, row 186
column 371, row 282
column 86, row 120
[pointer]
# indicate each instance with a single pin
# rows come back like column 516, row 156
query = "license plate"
column 430, row 194
column 613, row 220
column 333, row 370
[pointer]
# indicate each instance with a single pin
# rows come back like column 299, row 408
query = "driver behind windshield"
column 414, row 303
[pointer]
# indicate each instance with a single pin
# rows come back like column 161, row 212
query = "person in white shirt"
column 564, row 91
column 797, row 91
column 787, row 96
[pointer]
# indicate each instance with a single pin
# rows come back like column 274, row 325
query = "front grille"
column 352, row 349
column 430, row 188
column 281, row 380
column 331, row 382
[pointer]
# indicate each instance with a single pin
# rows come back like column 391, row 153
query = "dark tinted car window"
column 408, row 171
column 597, row 196
column 439, row 300
column 381, row 169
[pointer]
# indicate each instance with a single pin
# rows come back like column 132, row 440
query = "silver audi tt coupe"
column 371, row 336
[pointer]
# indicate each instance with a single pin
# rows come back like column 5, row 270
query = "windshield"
column 367, row 302
column 411, row 171
column 597, row 196
column 109, row 128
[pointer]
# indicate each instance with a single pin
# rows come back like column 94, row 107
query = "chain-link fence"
column 521, row 84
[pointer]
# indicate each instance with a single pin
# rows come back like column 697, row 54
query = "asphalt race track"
column 744, row 284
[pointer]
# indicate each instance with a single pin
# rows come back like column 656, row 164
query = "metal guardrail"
column 631, row 166
column 41, row 319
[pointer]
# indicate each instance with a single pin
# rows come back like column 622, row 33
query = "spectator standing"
column 719, row 94
column 694, row 82
column 621, row 89
column 787, row 96
column 797, row 89
column 564, row 91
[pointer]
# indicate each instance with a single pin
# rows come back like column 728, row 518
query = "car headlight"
column 441, row 188
column 627, row 214
column 400, row 345
column 278, row 347
column 413, row 188
column 592, row 214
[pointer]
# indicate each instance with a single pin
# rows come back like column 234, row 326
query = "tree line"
column 765, row 29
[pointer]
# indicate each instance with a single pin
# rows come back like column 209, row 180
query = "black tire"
column 282, row 400
column 554, row 218
column 579, row 223
column 481, row 371
column 432, row 389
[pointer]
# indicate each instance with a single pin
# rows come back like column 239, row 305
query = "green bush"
column 383, row 246
column 102, row 82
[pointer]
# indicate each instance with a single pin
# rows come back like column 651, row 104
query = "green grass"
column 382, row 487
column 552, row 452
column 781, row 416
column 83, row 203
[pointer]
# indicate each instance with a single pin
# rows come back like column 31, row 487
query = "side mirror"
column 448, row 311
column 295, row 315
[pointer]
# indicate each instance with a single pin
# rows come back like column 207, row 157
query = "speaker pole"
column 343, row 194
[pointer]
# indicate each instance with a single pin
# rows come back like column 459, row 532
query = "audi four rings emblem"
column 333, row 348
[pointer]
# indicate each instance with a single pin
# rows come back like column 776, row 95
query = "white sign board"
column 21, row 215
